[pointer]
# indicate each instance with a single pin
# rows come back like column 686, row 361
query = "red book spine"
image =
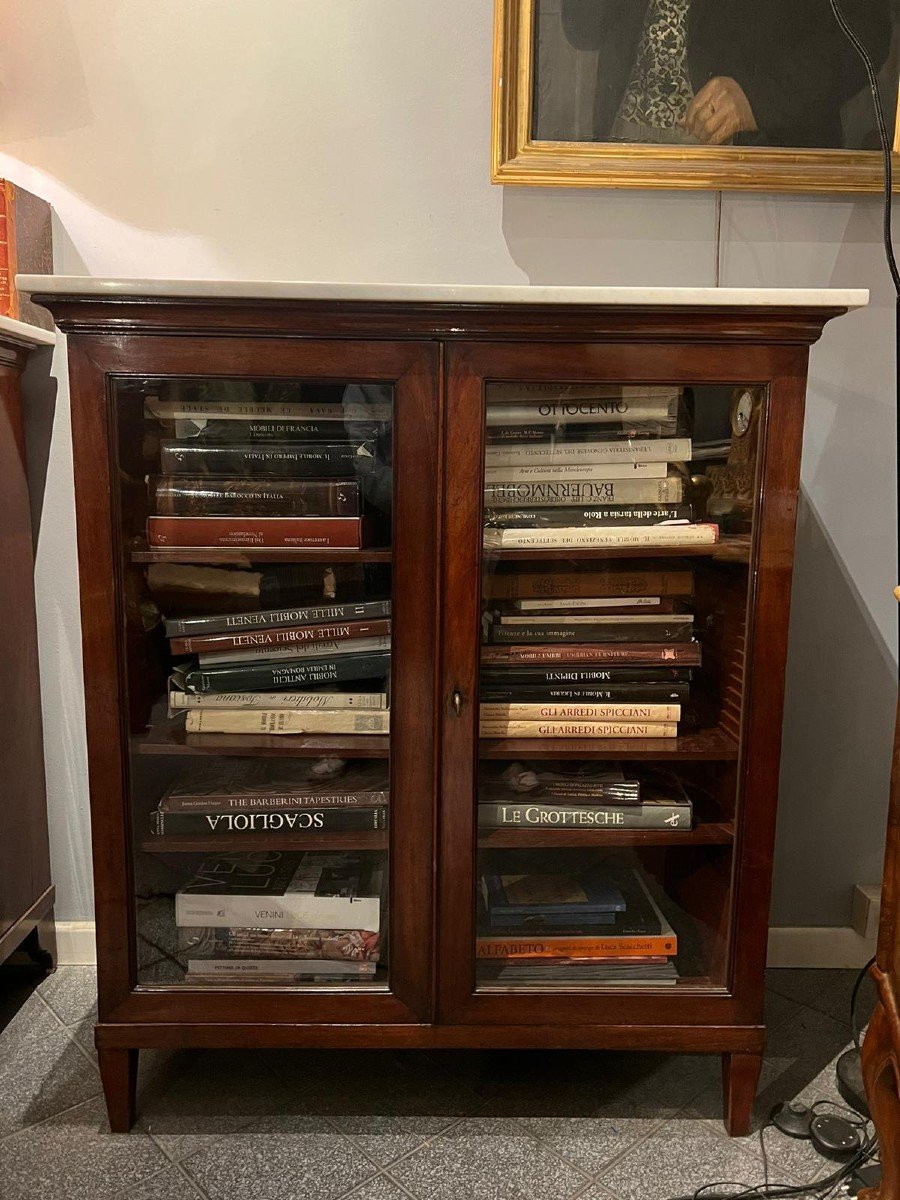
column 303, row 532
column 686, row 654
column 9, row 306
column 271, row 639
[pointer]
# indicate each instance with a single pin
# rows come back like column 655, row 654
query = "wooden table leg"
column 118, row 1074
column 740, row 1079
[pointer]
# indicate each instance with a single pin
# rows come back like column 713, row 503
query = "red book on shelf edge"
column 684, row 654
column 289, row 532
column 273, row 639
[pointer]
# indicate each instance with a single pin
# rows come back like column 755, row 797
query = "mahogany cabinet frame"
column 438, row 356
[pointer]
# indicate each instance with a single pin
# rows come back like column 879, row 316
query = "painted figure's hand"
column 719, row 111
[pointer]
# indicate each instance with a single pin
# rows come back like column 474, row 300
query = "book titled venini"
column 270, row 890
column 332, row 533
column 285, row 721
column 685, row 654
column 674, row 535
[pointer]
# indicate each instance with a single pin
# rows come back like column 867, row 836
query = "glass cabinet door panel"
column 256, row 524
column 617, row 533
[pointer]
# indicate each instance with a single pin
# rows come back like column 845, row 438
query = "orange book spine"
column 577, row 947
column 9, row 301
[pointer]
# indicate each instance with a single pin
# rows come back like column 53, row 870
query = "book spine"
column 332, row 649
column 551, row 585
column 567, row 470
column 321, row 820
column 582, row 676
column 182, row 496
column 242, row 410
column 663, row 694
column 584, row 493
column 577, row 947
column 636, row 408
column 270, row 639
column 276, row 967
column 265, row 677
column 635, row 450
column 268, row 802
column 328, row 532
column 314, row 460
column 536, row 631
column 9, row 306
column 211, row 430
column 285, row 721
column 612, row 605
column 277, row 618
column 611, row 432
column 520, row 815
column 631, row 535
column 179, row 700
column 685, row 653
column 608, row 515
column 580, row 712
column 292, row 910
column 343, row 945
column 577, row 729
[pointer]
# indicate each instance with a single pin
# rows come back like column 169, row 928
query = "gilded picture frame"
column 519, row 158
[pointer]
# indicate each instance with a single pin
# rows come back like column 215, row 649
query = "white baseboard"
column 76, row 944
column 818, row 946
column 789, row 946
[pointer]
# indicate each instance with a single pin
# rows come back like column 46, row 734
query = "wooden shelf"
column 705, row 833
column 168, row 736
column 349, row 839
column 713, row 745
column 244, row 556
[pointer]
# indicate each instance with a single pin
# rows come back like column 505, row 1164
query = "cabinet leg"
column 118, row 1074
column 740, row 1079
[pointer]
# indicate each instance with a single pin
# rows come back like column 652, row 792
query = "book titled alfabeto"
column 600, row 581
column 273, row 639
column 313, row 614
column 614, row 946
column 650, row 814
column 685, row 654
column 580, row 712
column 636, row 450
column 249, row 410
column 330, row 649
column 575, row 470
column 346, row 533
column 238, row 701
column 577, row 729
column 285, row 721
column 583, row 493
column 674, row 535
column 271, row 890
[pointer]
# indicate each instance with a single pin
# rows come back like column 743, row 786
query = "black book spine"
column 275, row 458
column 626, row 693
column 202, row 496
column 513, row 676
column 587, row 518
column 579, row 633
column 224, row 432
column 263, row 677
column 278, row 618
column 306, row 820
column 600, row 432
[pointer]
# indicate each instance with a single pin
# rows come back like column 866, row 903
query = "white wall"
column 348, row 139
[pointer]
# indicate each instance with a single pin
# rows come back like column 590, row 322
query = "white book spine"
column 587, row 602
column 581, row 412
column 242, row 410
column 567, row 392
column 241, row 701
column 575, row 470
column 646, row 450
column 583, row 493
column 618, row 622
column 654, row 535
column 267, row 721
column 293, row 910
column 370, row 645
column 603, row 713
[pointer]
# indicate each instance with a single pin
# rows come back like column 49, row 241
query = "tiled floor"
column 380, row 1125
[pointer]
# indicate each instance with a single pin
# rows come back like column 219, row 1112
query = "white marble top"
column 29, row 335
column 448, row 293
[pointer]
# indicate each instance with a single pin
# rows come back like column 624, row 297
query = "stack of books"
column 313, row 669
column 566, row 796
column 249, row 473
column 587, row 653
column 598, row 927
column 270, row 918
column 587, row 466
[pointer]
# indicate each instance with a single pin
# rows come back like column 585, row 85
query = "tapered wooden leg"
column 40, row 944
column 880, row 1075
column 740, row 1079
column 118, row 1073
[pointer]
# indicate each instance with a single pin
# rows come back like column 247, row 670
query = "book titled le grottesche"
column 652, row 813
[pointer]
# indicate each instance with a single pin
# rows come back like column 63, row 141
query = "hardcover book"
column 268, row 722
column 685, row 654
column 179, row 700
column 258, row 785
column 270, row 676
column 269, row 890
column 282, row 821
column 281, row 970
column 584, row 493
column 232, row 409
column 558, row 451
column 602, row 581
column 213, row 430
column 351, row 945
column 652, row 813
column 564, row 783
column 539, row 900
column 349, row 647
column 580, row 712
column 669, row 696
column 313, row 614
column 533, row 627
column 307, row 532
column 537, row 676
column 566, row 470
column 626, row 535
column 203, row 496
column 601, row 515
column 26, row 248
column 490, row 728
column 279, row 637
column 314, row 460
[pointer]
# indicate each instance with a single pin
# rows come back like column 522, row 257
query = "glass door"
column 589, row 846
column 277, row 542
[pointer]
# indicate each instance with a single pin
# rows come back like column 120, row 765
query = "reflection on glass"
column 617, row 534
column 704, row 73
column 256, row 534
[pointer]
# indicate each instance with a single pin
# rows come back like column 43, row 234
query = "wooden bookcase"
column 437, row 349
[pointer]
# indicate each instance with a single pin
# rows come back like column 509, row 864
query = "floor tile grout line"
column 549, row 1146
column 85, row 1053
column 6, row 1137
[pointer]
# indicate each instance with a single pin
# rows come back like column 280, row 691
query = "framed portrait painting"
column 766, row 95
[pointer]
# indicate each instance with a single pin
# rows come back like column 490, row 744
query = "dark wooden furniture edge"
column 34, row 920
